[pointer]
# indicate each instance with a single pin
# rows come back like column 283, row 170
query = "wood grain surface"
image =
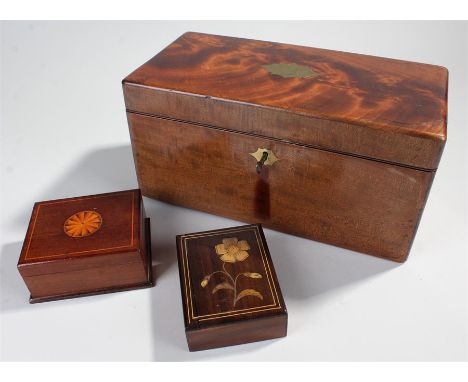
column 228, row 284
column 370, row 106
column 355, row 203
column 358, row 138
column 242, row 332
column 55, row 264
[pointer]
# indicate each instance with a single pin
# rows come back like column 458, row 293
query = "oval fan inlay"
column 82, row 224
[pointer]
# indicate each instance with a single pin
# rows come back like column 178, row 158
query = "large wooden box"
column 230, row 291
column 87, row 245
column 358, row 138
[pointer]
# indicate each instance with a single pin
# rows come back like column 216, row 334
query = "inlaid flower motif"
column 232, row 250
column 82, row 224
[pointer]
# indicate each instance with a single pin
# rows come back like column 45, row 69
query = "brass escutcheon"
column 290, row 70
column 264, row 157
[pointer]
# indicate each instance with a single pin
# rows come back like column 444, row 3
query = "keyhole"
column 261, row 162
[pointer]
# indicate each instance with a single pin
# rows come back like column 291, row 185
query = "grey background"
column 64, row 133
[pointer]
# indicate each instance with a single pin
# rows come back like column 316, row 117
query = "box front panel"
column 238, row 333
column 86, row 281
column 355, row 203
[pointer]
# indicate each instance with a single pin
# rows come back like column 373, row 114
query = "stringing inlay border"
column 188, row 290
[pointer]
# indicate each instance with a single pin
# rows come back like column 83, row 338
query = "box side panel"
column 143, row 223
column 350, row 202
column 241, row 332
column 86, row 281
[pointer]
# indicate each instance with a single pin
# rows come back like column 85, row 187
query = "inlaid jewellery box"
column 230, row 292
column 337, row 147
column 87, row 245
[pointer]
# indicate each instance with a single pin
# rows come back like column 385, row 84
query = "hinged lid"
column 226, row 276
column 79, row 233
column 378, row 108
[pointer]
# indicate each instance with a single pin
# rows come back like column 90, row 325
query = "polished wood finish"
column 230, row 291
column 350, row 202
column 358, row 143
column 374, row 107
column 114, row 255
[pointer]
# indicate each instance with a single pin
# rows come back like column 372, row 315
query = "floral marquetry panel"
column 227, row 275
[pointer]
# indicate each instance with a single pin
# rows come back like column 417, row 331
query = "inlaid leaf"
column 205, row 281
column 248, row 292
column 252, row 275
column 222, row 286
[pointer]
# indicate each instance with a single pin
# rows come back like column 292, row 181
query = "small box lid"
column 378, row 108
column 227, row 275
column 78, row 233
